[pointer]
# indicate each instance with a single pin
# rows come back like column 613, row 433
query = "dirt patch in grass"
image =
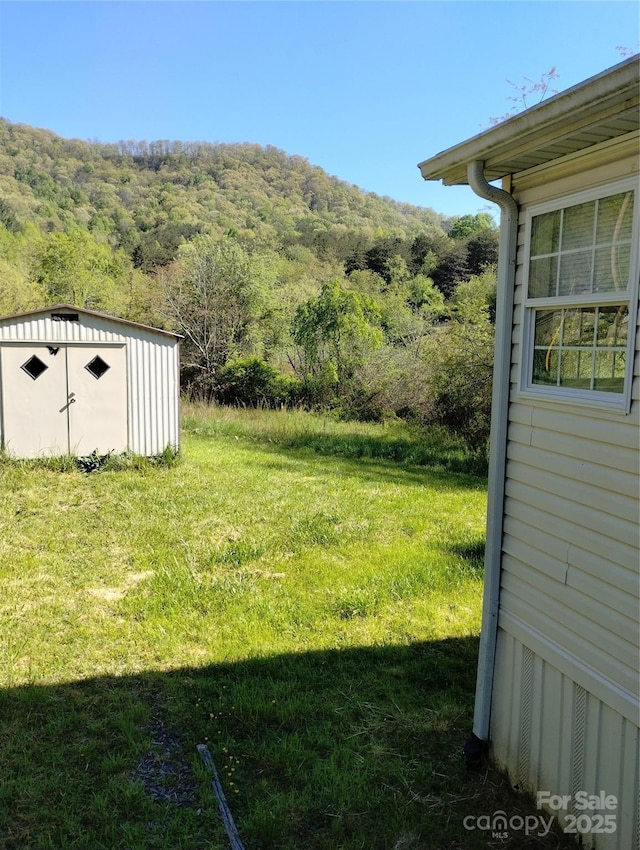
column 164, row 771
column 114, row 594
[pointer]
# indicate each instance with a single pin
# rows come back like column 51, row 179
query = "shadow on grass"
column 283, row 459
column 397, row 449
column 338, row 749
column 472, row 552
column 402, row 475
column 438, row 451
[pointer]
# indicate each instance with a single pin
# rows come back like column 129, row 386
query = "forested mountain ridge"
column 139, row 193
column 288, row 285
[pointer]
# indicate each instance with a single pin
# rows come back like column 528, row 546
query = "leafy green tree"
column 425, row 251
column 367, row 282
column 474, row 300
column 451, row 268
column 381, row 257
column 398, row 271
column 74, row 268
column 8, row 218
column 425, row 297
column 333, row 333
column 250, row 381
column 356, row 257
column 158, row 247
column 482, row 250
column 17, row 291
column 459, row 357
column 467, row 225
column 393, row 379
column 216, row 297
column 395, row 382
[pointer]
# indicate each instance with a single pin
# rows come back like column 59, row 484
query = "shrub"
column 252, row 382
column 460, row 358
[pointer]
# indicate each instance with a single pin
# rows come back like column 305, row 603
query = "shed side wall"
column 565, row 702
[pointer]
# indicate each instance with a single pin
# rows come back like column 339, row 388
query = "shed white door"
column 97, row 399
column 34, row 389
column 64, row 399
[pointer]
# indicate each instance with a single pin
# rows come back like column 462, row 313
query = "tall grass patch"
column 394, row 440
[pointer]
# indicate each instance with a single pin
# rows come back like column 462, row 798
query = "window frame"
column 607, row 400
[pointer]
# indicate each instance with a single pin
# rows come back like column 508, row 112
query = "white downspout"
column 497, row 452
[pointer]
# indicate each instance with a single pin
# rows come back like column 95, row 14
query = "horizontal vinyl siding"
column 610, row 505
column 553, row 735
column 616, row 561
column 617, row 455
column 596, row 426
column 576, row 511
column 540, row 602
column 572, row 565
column 571, row 535
column 613, row 481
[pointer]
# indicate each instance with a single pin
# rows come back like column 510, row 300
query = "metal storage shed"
column 73, row 381
column 557, row 696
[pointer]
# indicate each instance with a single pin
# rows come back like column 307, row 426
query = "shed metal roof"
column 55, row 308
column 601, row 108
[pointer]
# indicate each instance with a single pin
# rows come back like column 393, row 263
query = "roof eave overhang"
column 524, row 141
column 71, row 308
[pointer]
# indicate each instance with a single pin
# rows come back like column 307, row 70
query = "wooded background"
column 290, row 286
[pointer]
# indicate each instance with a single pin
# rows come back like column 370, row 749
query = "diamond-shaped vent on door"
column 34, row 367
column 97, row 366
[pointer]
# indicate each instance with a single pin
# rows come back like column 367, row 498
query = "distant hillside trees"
column 288, row 285
column 468, row 225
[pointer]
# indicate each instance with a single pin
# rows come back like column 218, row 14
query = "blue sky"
column 365, row 90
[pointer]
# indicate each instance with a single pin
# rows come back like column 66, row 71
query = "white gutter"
column 553, row 119
column 498, row 445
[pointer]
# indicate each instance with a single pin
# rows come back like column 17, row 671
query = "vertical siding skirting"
column 526, row 698
column 551, row 733
column 578, row 740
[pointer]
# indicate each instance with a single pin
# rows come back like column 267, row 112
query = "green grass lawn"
column 300, row 595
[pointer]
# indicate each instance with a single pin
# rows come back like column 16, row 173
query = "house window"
column 581, row 294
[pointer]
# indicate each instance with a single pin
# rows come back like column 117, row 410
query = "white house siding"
column 152, row 369
column 565, row 707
